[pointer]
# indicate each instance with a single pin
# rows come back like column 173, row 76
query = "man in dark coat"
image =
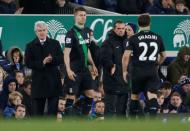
column 44, row 55
column 116, row 91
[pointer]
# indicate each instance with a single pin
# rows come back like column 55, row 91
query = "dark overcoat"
column 46, row 80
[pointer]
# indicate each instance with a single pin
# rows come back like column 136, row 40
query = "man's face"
column 80, row 17
column 41, row 32
column 100, row 108
column 176, row 101
column 20, row 78
column 61, row 105
column 166, row 3
column 20, row 113
column 120, row 29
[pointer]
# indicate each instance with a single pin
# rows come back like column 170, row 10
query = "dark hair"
column 117, row 22
column 80, row 8
column 144, row 20
column 62, row 98
column 17, row 50
column 159, row 94
column 17, row 71
column 175, row 94
column 166, row 85
column 20, row 105
column 27, row 82
column 100, row 101
column 179, row 2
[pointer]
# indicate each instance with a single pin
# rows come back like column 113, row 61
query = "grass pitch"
column 93, row 125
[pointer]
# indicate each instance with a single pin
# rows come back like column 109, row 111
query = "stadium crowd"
column 178, row 7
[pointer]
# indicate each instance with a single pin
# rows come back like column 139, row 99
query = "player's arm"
column 69, row 40
column 70, row 73
column 162, row 57
column 125, row 63
column 162, row 54
column 90, row 60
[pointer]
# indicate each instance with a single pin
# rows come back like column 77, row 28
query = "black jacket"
column 7, row 8
column 46, row 81
column 111, row 53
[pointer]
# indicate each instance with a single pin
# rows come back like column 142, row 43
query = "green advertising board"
column 18, row 30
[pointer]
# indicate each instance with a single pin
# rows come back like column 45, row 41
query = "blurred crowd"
column 179, row 7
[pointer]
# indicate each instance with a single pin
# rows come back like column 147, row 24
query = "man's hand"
column 71, row 75
column 95, row 71
column 113, row 69
column 125, row 73
column 47, row 59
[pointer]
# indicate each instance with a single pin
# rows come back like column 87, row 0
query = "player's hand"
column 95, row 71
column 125, row 73
column 71, row 75
column 113, row 69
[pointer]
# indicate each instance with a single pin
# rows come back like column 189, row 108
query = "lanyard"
column 84, row 46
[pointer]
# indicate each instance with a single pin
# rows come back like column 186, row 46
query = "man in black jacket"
column 116, row 93
column 44, row 55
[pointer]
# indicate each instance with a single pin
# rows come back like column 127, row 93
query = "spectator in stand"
column 38, row 6
column 4, row 62
column 9, row 86
column 27, row 99
column 99, row 111
column 9, row 7
column 160, row 101
column 130, row 6
column 161, row 7
column 19, row 76
column 176, row 104
column 166, row 90
column 15, row 98
column 15, row 56
column 183, row 88
column 180, row 66
column 111, row 5
column 20, row 112
column 2, row 77
column 61, row 108
column 63, row 7
column 180, row 7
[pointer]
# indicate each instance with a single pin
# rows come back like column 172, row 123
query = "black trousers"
column 116, row 104
column 39, row 106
